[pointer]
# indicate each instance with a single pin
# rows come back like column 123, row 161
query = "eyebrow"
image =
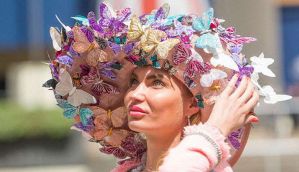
column 152, row 76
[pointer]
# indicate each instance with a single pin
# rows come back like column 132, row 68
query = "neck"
column 157, row 148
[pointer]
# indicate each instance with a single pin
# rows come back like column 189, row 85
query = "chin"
column 139, row 126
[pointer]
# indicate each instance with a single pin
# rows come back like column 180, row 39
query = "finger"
column 241, row 88
column 247, row 94
column 252, row 101
column 231, row 85
column 251, row 119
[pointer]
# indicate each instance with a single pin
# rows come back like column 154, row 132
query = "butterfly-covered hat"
column 95, row 57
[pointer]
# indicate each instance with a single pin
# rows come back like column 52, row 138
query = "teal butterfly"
column 202, row 24
column 71, row 111
column 207, row 41
column 81, row 19
column 155, row 62
column 200, row 101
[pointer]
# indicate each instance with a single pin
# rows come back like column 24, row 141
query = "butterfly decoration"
column 106, row 70
column 134, row 145
column 220, row 58
column 135, row 29
column 152, row 42
column 229, row 35
column 195, row 64
column 67, row 28
column 270, row 95
column 84, row 21
column 168, row 67
column 116, row 151
column 109, row 125
column 157, row 17
column 76, row 97
column 203, row 23
column 56, row 38
column 84, row 70
column 155, row 62
column 101, row 42
column 210, row 42
column 91, row 17
column 98, row 86
column 70, row 111
column 82, row 45
column 111, row 22
column 260, row 65
column 207, row 79
column 245, row 70
column 88, row 127
column 54, row 69
column 181, row 54
column 180, row 29
column 65, row 59
column 189, row 82
column 116, row 48
column 200, row 101
column 88, row 33
column 234, row 138
column 51, row 83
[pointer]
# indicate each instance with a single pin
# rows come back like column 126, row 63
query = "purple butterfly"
column 112, row 23
column 234, row 138
column 243, row 71
column 93, row 22
column 54, row 71
column 180, row 29
column 88, row 127
column 229, row 36
column 106, row 70
column 66, row 60
column 88, row 33
column 116, row 48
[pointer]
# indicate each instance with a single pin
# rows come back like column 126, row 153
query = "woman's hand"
column 232, row 108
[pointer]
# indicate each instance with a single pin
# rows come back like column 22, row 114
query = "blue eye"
column 158, row 83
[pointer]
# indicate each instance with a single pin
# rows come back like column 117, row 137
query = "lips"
column 136, row 112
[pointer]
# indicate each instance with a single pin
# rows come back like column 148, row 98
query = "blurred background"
column 35, row 137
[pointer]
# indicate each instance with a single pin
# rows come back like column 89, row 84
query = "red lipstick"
column 136, row 112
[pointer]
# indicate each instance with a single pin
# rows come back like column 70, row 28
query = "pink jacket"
column 203, row 149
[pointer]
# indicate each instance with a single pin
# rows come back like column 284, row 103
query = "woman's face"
column 156, row 102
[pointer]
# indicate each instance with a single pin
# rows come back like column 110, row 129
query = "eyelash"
column 156, row 82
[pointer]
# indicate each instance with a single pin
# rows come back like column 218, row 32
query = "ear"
column 192, row 107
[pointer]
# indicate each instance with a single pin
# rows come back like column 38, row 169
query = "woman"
column 159, row 92
column 160, row 106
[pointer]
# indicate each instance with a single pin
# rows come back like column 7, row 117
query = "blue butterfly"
column 71, row 111
column 207, row 40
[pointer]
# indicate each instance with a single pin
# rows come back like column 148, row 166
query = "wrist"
column 221, row 128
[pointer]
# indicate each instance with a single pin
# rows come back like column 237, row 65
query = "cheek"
column 166, row 107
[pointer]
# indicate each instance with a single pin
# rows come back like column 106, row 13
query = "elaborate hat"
column 95, row 57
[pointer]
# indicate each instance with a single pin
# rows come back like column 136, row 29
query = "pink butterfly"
column 98, row 86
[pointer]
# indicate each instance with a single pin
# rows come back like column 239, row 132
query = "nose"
column 138, row 93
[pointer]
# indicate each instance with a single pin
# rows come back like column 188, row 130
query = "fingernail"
column 255, row 120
